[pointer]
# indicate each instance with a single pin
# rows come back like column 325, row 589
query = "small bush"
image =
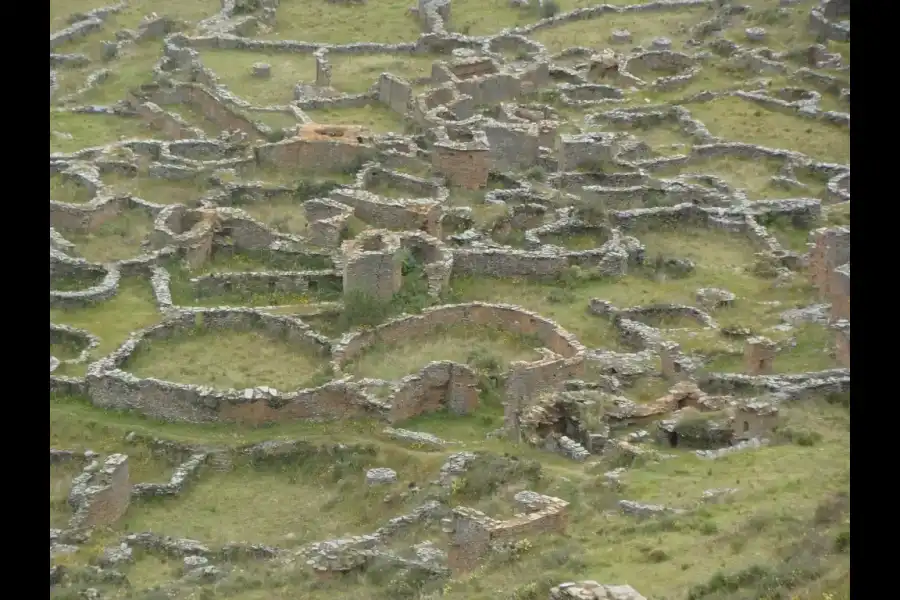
column 549, row 9
column 535, row 174
column 839, row 398
column 276, row 135
column 657, row 555
column 801, row 437
column 842, row 541
column 246, row 7
column 306, row 189
column 560, row 296
column 490, row 471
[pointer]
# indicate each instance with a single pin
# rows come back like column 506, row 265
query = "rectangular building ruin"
column 101, row 494
column 759, row 356
column 839, row 293
column 462, row 157
column 831, row 250
column 473, row 533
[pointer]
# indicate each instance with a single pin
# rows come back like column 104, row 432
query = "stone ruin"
column 474, row 534
column 101, row 494
column 581, row 424
column 373, row 265
column 491, row 119
column 591, row 590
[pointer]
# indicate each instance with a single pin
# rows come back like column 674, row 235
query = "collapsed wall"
column 100, row 495
column 474, row 534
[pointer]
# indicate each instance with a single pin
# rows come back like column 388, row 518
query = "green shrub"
column 801, row 437
column 549, row 9
column 842, row 541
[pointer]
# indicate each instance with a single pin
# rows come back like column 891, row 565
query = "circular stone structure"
column 505, row 317
column 662, row 69
column 110, row 385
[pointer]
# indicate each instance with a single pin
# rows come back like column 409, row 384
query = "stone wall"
column 373, row 265
column 101, row 494
column 465, row 162
column 473, row 533
column 831, row 250
column 591, row 590
column 576, row 151
column 842, row 342
column 395, row 92
column 839, row 292
column 314, row 154
column 502, row 316
column 440, row 385
column 759, row 356
column 169, row 124
column 754, row 420
column 109, row 385
column 65, row 266
column 205, row 101
column 527, row 381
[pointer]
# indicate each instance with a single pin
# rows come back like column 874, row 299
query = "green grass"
column 129, row 18
column 739, row 120
column 60, row 10
column 569, row 311
column 837, row 215
column 228, row 359
column 193, row 117
column 326, row 23
column 790, row 237
column 68, row 190
column 284, row 215
column 462, row 344
column 576, row 241
column 229, row 260
column 233, row 68
column 156, row 190
column 753, row 176
column 657, row 137
column 356, row 73
column 472, row 17
column 788, row 33
column 132, row 308
column 779, row 536
column 781, row 506
column 60, row 483
column 644, row 27
column 721, row 261
column 375, row 117
column 88, row 131
column 275, row 120
column 279, row 516
column 65, row 351
column 116, row 239
column 184, row 293
column 130, row 70
column 806, row 348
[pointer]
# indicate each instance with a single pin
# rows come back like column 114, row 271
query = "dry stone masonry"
column 296, row 193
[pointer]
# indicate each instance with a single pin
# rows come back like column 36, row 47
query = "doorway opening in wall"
column 682, row 402
column 673, row 439
column 762, row 364
column 746, row 426
column 312, row 287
